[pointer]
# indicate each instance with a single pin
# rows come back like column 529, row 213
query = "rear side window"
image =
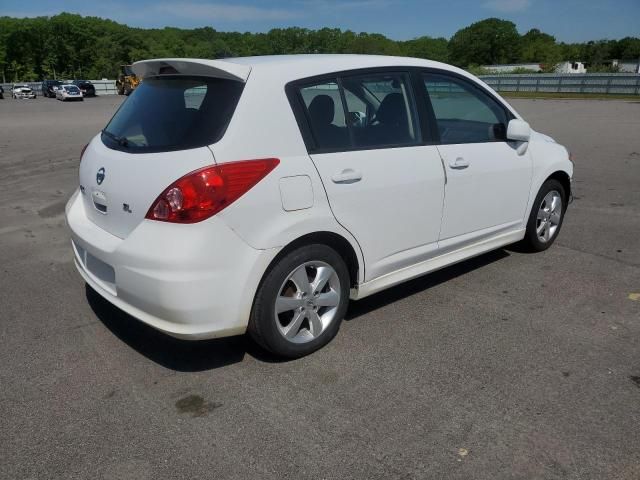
column 173, row 113
column 464, row 113
column 380, row 110
column 325, row 115
column 360, row 112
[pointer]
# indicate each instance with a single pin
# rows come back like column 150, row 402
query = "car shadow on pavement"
column 170, row 352
column 385, row 297
column 201, row 355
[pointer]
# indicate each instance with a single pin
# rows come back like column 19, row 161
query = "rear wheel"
column 301, row 302
column 546, row 216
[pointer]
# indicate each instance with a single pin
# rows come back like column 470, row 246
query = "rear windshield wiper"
column 122, row 141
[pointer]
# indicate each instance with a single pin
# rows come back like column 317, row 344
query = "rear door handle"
column 459, row 163
column 347, row 176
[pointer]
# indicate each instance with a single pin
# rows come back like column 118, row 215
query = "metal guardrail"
column 603, row 83
column 103, row 87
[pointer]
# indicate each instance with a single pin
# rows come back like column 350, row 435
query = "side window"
column 464, row 113
column 381, row 110
column 325, row 115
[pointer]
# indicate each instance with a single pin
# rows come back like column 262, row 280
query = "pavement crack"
column 600, row 255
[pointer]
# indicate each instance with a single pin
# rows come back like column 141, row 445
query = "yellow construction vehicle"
column 126, row 81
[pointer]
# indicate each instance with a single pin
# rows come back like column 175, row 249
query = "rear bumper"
column 190, row 281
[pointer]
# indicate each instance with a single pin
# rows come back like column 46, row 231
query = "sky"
column 567, row 20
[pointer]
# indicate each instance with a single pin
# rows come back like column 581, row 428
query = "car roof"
column 283, row 67
column 292, row 67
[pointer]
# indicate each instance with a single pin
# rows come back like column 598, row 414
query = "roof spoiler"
column 191, row 66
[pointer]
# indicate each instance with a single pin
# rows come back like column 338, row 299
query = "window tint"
column 325, row 115
column 464, row 113
column 380, row 110
column 173, row 113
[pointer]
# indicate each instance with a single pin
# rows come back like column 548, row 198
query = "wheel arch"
column 564, row 179
column 340, row 244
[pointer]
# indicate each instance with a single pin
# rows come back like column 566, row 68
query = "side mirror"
column 518, row 130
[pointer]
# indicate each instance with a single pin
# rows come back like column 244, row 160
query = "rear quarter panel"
column 263, row 126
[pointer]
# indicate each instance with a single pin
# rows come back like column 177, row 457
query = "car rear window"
column 173, row 113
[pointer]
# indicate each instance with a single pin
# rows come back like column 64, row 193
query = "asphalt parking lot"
column 509, row 365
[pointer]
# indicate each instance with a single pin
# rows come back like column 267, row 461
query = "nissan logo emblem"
column 100, row 176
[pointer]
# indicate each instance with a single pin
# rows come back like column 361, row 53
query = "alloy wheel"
column 307, row 302
column 549, row 216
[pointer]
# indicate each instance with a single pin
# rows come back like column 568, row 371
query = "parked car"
column 49, row 88
column 86, row 87
column 216, row 202
column 22, row 91
column 68, row 92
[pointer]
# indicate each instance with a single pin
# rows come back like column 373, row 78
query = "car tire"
column 546, row 217
column 301, row 302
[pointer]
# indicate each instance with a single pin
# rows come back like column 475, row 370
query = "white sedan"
column 22, row 91
column 262, row 194
column 68, row 92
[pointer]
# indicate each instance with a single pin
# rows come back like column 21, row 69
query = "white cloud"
column 508, row 6
column 344, row 5
column 337, row 6
column 223, row 12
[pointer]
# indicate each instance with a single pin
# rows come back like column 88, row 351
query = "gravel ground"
column 505, row 366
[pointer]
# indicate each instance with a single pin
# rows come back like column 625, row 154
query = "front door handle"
column 459, row 163
column 347, row 176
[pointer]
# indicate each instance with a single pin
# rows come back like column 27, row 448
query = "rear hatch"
column 159, row 134
column 119, row 188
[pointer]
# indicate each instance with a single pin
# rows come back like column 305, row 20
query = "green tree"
column 539, row 47
column 490, row 41
column 427, row 47
column 627, row 48
column 71, row 46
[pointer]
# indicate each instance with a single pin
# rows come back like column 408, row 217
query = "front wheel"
column 546, row 216
column 301, row 302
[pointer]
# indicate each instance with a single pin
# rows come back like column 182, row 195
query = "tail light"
column 205, row 192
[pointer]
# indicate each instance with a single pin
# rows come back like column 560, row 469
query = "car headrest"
column 322, row 110
column 392, row 110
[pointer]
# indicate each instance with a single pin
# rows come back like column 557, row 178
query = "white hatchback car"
column 263, row 193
